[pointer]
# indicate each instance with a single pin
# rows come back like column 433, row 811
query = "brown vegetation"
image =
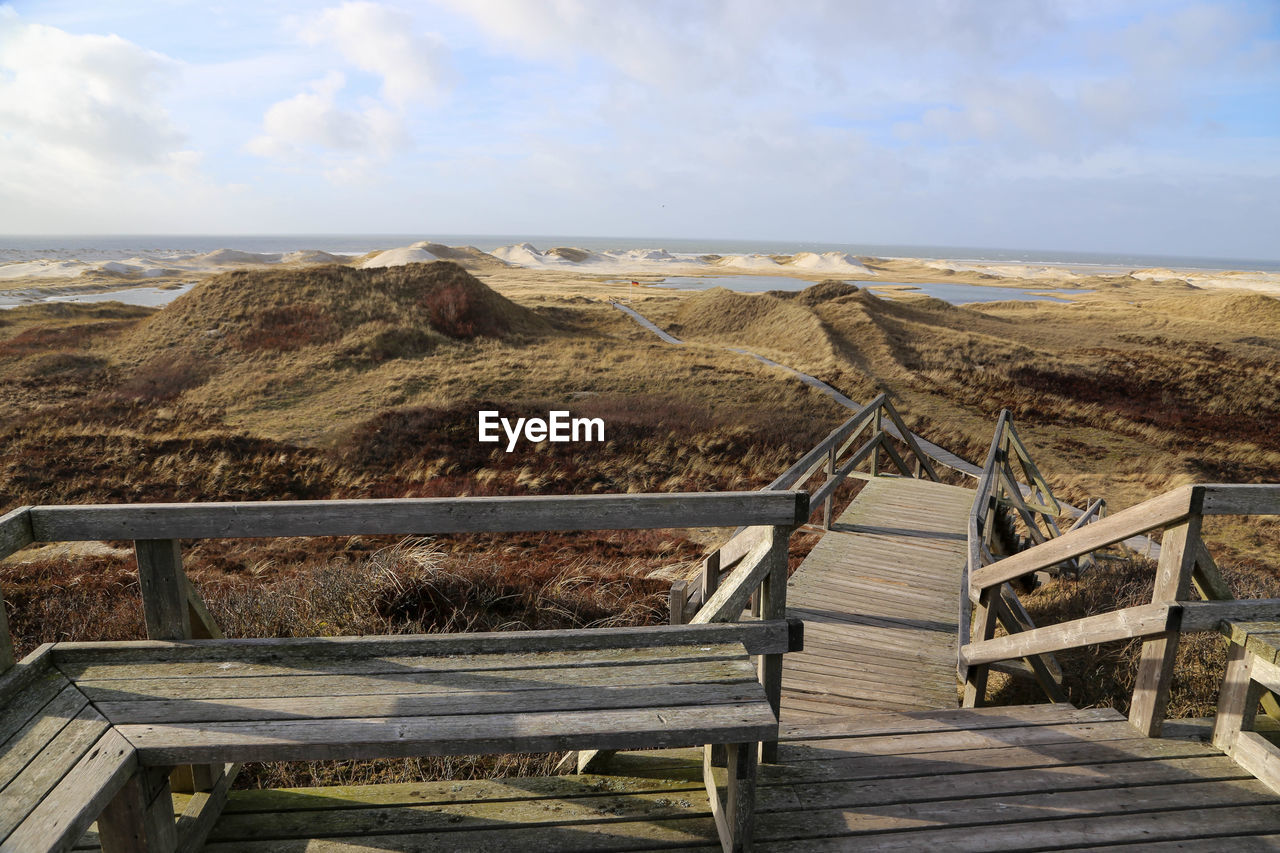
column 336, row 382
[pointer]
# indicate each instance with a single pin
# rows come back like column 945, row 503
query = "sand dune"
column 397, row 258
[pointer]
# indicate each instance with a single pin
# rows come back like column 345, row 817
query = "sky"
column 1084, row 125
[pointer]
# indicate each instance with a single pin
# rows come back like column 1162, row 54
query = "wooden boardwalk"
column 880, row 598
column 1025, row 778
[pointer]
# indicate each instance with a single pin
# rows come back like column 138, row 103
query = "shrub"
column 288, row 328
column 165, row 377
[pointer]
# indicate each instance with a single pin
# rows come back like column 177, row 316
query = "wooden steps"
column 880, row 597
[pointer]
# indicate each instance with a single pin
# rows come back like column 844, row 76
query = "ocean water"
column 90, row 247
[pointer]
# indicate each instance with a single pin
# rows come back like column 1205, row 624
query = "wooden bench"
column 204, row 702
column 61, row 761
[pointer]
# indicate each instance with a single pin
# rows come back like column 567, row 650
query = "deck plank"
column 880, row 597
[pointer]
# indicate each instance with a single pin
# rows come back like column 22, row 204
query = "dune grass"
column 341, row 383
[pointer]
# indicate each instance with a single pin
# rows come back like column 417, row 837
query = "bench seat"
column 230, row 710
column 213, row 702
column 61, row 762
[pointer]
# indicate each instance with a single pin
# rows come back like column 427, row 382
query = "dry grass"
column 342, row 383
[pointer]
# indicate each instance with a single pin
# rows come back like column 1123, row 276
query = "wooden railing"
column 1184, row 563
column 835, row 457
column 173, row 610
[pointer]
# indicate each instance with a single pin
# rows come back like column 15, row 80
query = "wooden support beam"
column 826, row 503
column 829, row 487
column 164, row 589
column 676, row 600
column 735, row 814
column 1237, row 700
column 984, row 626
column 203, row 625
column 140, row 818
column 1145, row 620
column 15, row 534
column 907, row 437
column 710, row 575
column 1049, row 679
column 773, row 606
column 1173, row 583
column 1207, row 578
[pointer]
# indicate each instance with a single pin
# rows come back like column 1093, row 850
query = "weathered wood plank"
column 854, row 767
column 1060, row 833
column 66, row 812
column 414, row 682
column 1144, row 620
column 417, row 516
column 408, row 705
column 47, row 769
column 967, row 719
column 1165, row 510
column 290, row 740
column 879, row 824
column 113, row 666
column 42, row 725
column 1221, row 499
column 757, row 637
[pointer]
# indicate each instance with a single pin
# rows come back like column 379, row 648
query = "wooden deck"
column 1026, row 778
column 880, row 598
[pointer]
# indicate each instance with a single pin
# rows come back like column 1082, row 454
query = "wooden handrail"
column 399, row 516
column 1141, row 621
column 1158, row 512
column 807, row 465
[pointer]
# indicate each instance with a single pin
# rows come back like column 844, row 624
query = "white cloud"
column 414, row 66
column 329, row 124
column 313, row 120
column 89, row 103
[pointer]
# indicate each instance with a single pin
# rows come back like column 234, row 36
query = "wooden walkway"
column 1026, row 778
column 880, row 598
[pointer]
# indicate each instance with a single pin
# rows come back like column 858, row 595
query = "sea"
column 100, row 247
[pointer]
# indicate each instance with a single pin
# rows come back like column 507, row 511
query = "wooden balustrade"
column 1184, row 564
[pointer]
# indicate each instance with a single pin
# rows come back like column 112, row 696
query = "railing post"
column 164, row 589
column 1238, row 699
column 877, row 430
column 710, row 575
column 773, row 605
column 167, row 608
column 984, row 628
column 1173, row 583
column 6, row 642
column 831, row 472
column 676, row 600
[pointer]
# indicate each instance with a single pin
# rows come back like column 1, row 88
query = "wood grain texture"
column 419, row 516
column 1167, row 509
column 880, row 598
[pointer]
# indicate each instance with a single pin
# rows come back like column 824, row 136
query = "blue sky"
column 1079, row 125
